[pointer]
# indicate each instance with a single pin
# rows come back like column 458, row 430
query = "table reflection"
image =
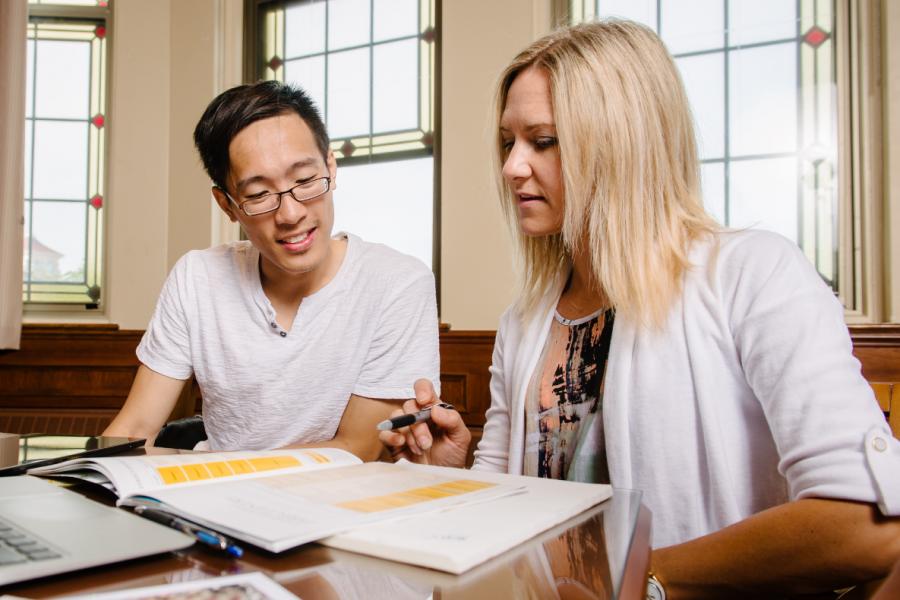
column 580, row 559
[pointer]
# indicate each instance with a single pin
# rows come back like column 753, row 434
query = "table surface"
column 602, row 553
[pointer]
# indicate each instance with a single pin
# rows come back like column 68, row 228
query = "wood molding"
column 84, row 371
column 887, row 335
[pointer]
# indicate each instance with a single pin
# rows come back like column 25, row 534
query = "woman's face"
column 531, row 164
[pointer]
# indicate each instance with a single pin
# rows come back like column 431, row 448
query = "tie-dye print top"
column 565, row 394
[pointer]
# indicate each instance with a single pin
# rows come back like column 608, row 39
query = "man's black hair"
column 234, row 109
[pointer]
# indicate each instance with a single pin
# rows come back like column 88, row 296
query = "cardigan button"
column 284, row 334
column 879, row 444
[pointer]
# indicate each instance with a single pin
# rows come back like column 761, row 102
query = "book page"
column 461, row 537
column 132, row 475
column 285, row 510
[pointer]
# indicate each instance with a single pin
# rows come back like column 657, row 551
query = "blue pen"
column 204, row 536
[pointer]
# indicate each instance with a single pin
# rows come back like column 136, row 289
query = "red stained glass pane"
column 428, row 35
column 274, row 63
column 100, row 31
column 815, row 37
column 97, row 201
column 98, row 121
column 347, row 148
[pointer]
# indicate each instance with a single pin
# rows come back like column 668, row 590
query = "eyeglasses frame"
column 289, row 191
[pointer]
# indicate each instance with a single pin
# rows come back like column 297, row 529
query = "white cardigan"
column 747, row 398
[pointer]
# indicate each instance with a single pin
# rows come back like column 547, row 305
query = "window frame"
column 42, row 310
column 861, row 269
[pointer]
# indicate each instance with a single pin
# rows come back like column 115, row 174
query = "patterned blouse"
column 566, row 393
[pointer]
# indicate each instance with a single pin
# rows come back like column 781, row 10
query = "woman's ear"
column 224, row 203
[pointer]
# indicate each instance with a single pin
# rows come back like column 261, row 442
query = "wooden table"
column 602, row 553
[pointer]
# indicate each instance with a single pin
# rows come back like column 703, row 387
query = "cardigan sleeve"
column 493, row 449
column 796, row 354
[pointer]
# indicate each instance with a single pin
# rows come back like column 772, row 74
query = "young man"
column 296, row 338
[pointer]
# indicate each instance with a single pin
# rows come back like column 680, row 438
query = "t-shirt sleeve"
column 165, row 347
column 797, row 356
column 405, row 344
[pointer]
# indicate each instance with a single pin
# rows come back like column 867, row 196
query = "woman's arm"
column 805, row 546
column 796, row 355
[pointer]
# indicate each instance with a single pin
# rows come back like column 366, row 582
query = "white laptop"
column 46, row 530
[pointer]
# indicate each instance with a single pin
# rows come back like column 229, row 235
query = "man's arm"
column 356, row 432
column 805, row 546
column 149, row 404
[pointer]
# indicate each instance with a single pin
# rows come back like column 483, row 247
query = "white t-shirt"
column 371, row 331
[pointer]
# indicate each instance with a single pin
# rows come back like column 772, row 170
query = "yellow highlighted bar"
column 415, row 496
column 214, row 470
column 319, row 458
column 196, row 472
column 240, row 467
column 219, row 469
column 171, row 475
column 268, row 463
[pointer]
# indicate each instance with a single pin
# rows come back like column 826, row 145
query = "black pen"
column 410, row 418
column 210, row 538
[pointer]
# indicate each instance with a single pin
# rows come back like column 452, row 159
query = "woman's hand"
column 443, row 440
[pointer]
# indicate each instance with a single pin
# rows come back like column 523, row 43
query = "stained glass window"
column 761, row 79
column 65, row 127
column 369, row 66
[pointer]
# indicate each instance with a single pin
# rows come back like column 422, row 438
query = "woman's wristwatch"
column 655, row 589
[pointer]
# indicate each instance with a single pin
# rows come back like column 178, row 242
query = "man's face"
column 274, row 155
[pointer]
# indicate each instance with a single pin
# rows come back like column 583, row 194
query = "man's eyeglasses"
column 267, row 202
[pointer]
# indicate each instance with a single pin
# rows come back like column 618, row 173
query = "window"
column 370, row 67
column 65, row 132
column 762, row 79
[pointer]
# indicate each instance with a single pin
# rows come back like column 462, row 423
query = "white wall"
column 171, row 57
column 477, row 280
column 166, row 67
column 137, row 221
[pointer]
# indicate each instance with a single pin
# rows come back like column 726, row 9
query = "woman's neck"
column 581, row 296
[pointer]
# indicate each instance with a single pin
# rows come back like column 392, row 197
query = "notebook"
column 46, row 530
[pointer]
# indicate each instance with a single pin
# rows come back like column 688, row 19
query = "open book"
column 439, row 517
column 278, row 499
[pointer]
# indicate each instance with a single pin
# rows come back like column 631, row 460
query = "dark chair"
column 182, row 434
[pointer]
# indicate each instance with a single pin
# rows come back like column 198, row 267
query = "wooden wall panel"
column 465, row 358
column 878, row 349
column 75, row 377
column 66, row 378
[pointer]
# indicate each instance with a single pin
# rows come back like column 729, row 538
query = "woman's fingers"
column 425, row 395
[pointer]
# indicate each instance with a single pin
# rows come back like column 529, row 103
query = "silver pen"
column 410, row 418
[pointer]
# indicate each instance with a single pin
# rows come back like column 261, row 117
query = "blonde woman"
column 655, row 350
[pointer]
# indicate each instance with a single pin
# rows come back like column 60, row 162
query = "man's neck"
column 287, row 290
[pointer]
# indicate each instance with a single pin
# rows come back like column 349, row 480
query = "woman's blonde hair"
column 629, row 167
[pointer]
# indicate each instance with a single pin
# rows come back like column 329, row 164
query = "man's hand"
column 442, row 441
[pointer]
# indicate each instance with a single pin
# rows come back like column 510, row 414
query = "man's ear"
column 224, row 203
column 332, row 169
